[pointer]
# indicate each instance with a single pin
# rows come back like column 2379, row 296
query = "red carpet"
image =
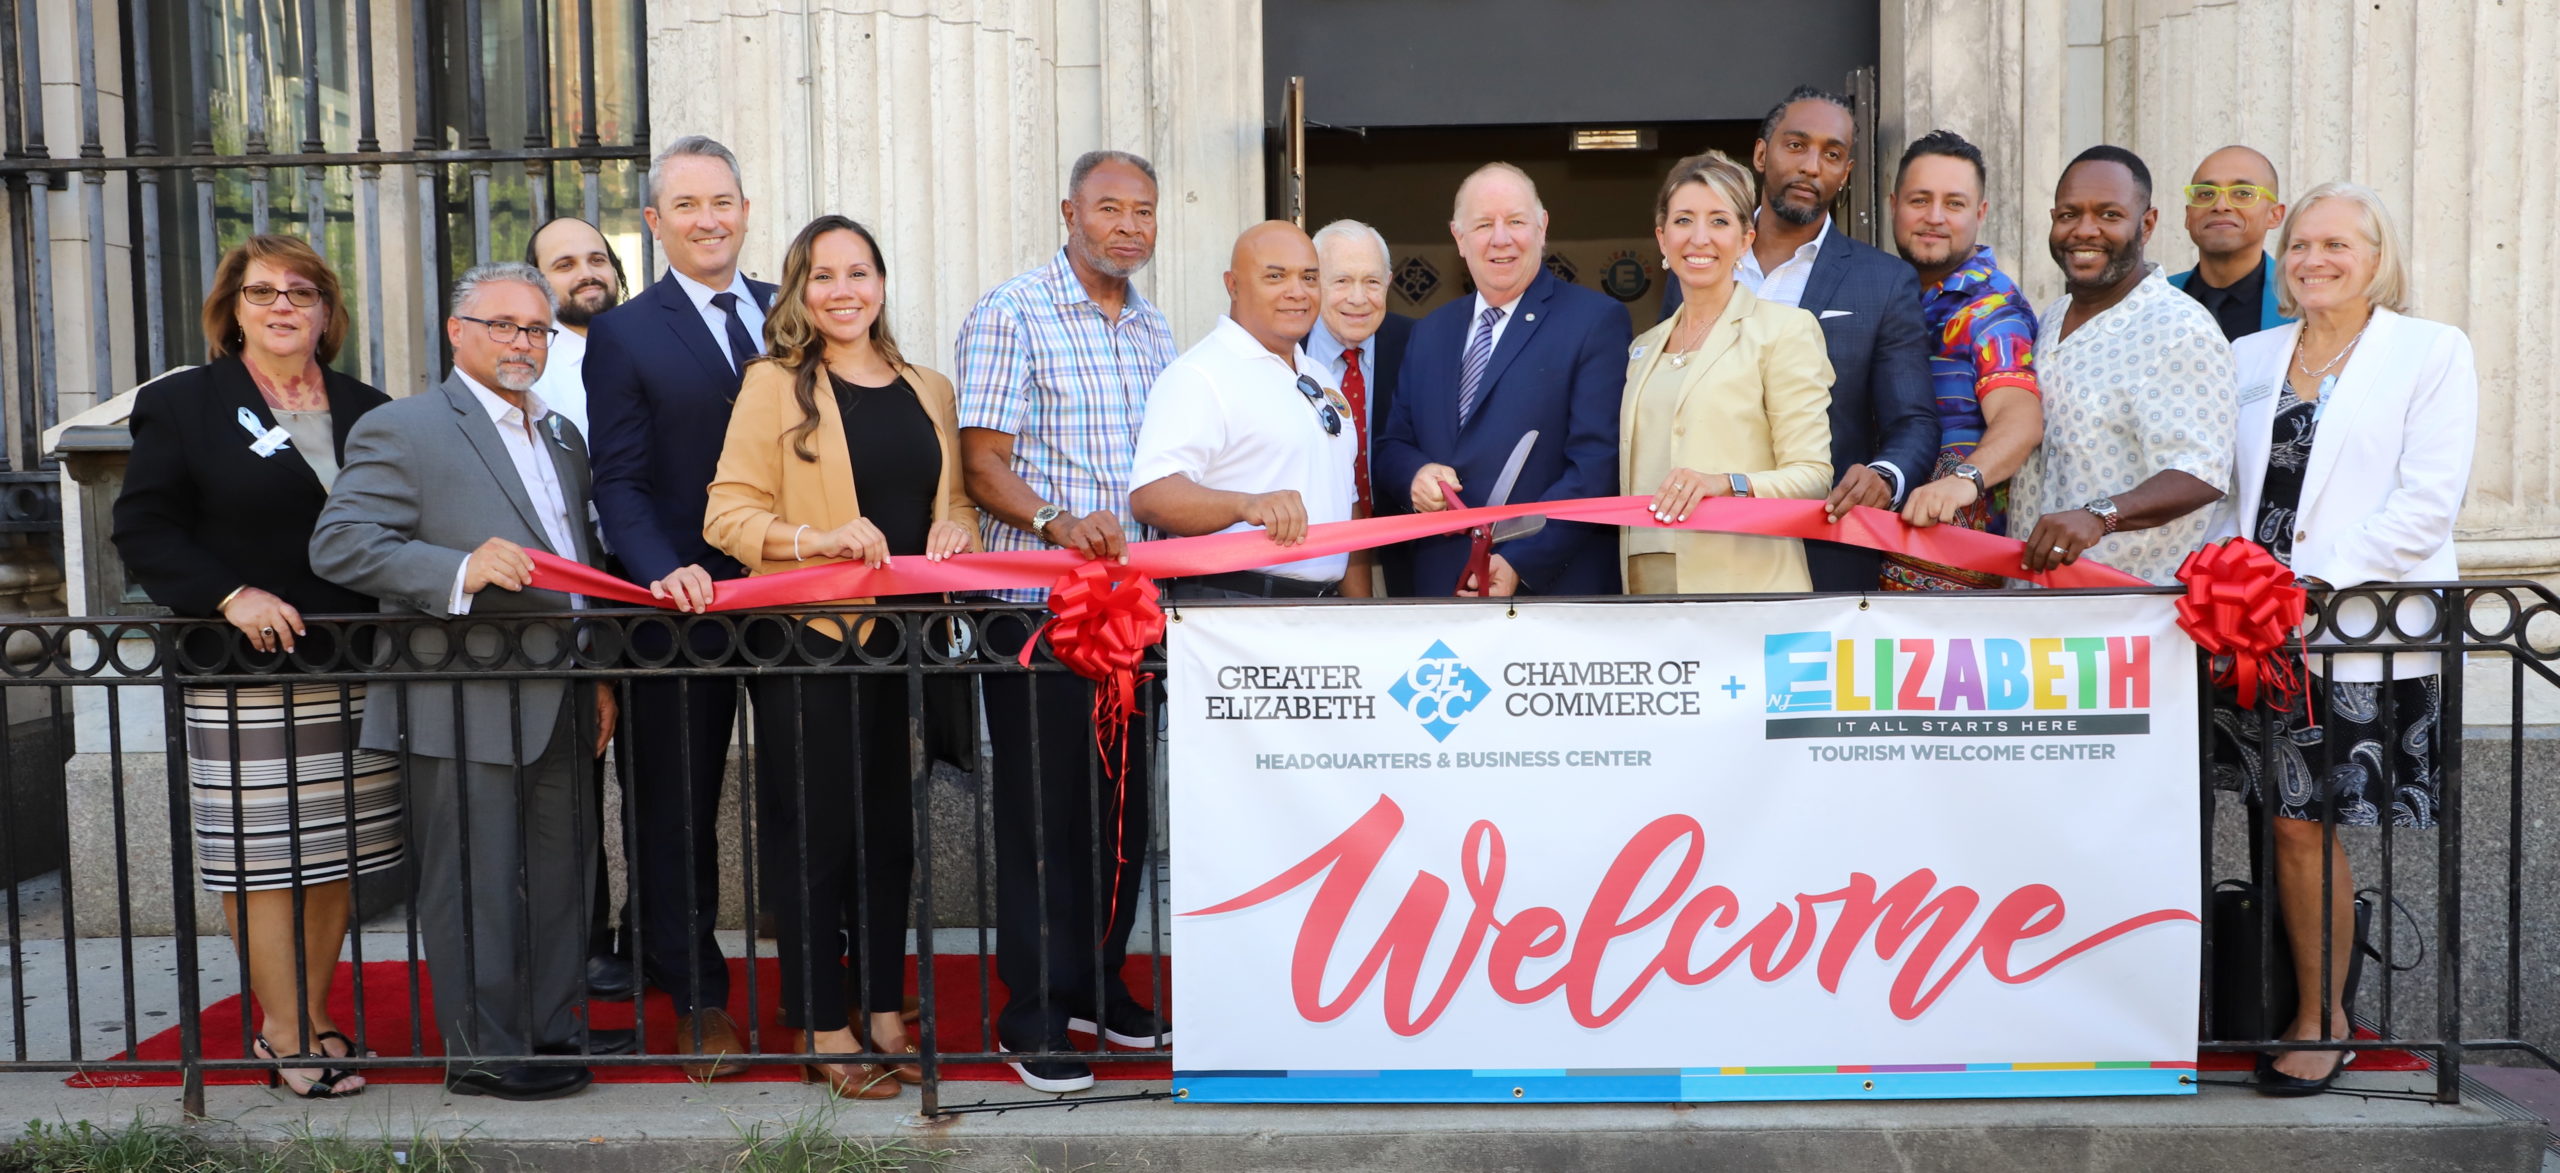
column 388, row 1026
column 2366, row 1059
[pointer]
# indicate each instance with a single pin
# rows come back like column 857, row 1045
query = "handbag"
column 951, row 722
column 2254, row 992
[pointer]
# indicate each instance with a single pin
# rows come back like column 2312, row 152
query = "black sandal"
column 334, row 1074
column 2272, row 1082
column 323, row 1088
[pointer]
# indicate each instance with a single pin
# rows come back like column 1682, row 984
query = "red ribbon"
column 1874, row 529
column 2241, row 606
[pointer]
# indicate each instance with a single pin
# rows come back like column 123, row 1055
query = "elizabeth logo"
column 1625, row 278
column 1439, row 690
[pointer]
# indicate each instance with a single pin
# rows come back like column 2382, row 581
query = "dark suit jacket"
column 201, row 514
column 1559, row 370
column 658, row 397
column 1387, row 350
column 1881, row 405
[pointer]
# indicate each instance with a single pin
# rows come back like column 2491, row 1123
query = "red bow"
column 2242, row 604
column 1102, row 630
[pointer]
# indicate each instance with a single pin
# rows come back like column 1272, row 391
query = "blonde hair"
column 2389, row 288
column 1719, row 172
column 1458, row 203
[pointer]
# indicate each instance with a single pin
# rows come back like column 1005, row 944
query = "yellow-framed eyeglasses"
column 2242, row 195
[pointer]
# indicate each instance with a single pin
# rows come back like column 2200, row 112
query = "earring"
column 1666, row 262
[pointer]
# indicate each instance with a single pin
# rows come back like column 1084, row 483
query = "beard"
column 517, row 374
column 2121, row 263
column 575, row 310
column 1102, row 263
column 1794, row 213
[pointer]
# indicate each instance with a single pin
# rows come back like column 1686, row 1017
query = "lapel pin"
column 1528, row 317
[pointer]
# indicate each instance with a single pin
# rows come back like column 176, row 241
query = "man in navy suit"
column 662, row 370
column 1359, row 344
column 1884, row 418
column 1526, row 353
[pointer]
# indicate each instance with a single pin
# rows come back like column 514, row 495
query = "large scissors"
column 1482, row 538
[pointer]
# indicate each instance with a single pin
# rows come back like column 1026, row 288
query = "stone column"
column 948, row 128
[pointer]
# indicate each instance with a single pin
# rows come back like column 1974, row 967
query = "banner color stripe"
column 1695, row 1085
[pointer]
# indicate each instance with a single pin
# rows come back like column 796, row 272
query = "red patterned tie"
column 1356, row 389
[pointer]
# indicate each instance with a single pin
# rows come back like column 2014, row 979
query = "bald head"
column 1271, row 285
column 2230, row 231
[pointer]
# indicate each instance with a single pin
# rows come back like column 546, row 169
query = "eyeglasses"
column 504, row 333
column 2242, row 195
column 1324, row 409
column 304, row 296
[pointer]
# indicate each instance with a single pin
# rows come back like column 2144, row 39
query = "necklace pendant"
column 1679, row 358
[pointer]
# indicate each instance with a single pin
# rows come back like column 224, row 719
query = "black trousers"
column 836, row 823
column 679, row 743
column 1064, row 904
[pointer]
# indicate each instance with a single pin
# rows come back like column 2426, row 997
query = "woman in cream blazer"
column 1730, row 396
column 838, row 449
column 2356, row 431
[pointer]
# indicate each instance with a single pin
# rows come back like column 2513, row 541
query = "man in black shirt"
column 2231, row 206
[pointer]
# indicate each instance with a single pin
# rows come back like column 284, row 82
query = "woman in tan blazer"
column 838, row 449
column 1730, row 396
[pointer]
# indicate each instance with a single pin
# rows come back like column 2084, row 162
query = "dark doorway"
column 1403, row 181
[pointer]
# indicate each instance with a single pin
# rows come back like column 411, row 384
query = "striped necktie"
column 1479, row 353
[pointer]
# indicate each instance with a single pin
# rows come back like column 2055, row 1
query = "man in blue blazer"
column 662, row 370
column 1525, row 353
column 1884, row 417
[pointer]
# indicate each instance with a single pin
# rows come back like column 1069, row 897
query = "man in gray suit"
column 440, row 496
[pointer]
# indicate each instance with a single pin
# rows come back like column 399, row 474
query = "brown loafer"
column 709, row 1032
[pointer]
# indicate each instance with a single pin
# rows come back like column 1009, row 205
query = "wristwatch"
column 1740, row 484
column 1981, row 488
column 2105, row 509
column 1041, row 517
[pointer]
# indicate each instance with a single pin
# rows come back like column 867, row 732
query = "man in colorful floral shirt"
column 1983, row 370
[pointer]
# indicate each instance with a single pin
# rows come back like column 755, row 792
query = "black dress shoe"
column 609, row 975
column 623, row 1041
column 520, row 1083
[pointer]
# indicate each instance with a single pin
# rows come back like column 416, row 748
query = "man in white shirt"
column 1242, row 433
column 586, row 279
column 439, row 499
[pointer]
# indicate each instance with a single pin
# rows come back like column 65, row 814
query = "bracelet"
column 226, row 599
column 795, row 543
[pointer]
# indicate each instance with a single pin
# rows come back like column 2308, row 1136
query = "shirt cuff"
column 461, row 602
column 1891, row 473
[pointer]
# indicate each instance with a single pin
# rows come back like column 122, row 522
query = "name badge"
column 264, row 441
column 2250, row 395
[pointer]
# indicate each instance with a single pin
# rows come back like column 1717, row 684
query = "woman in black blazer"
column 231, row 464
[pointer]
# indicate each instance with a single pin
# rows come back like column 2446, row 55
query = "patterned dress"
column 1986, row 341
column 2342, row 750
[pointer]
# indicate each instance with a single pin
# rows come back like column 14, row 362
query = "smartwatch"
column 1740, row 484
column 1040, row 519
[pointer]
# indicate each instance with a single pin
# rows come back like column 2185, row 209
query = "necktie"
column 1356, row 389
column 742, row 345
column 1479, row 352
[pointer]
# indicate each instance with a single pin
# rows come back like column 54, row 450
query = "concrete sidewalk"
column 638, row 1128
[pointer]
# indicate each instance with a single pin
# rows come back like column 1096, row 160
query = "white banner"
column 1908, row 846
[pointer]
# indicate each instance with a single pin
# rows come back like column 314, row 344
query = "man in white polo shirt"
column 1241, row 431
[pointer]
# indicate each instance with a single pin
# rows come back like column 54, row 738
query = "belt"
column 1268, row 586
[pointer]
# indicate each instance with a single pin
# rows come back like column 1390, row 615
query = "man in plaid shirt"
column 1054, row 370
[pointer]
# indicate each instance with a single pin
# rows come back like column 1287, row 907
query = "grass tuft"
column 809, row 1143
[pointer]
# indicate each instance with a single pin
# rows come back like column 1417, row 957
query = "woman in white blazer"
column 2356, row 430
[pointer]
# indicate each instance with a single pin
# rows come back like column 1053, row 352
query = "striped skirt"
column 284, row 798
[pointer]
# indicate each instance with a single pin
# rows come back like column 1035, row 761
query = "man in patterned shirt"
column 2141, row 407
column 1983, row 370
column 1054, row 370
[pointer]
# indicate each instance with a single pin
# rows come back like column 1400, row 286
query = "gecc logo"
column 1438, row 690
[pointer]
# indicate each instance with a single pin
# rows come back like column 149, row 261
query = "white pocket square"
column 1830, row 314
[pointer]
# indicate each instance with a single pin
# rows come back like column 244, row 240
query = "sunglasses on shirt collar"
column 1324, row 410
